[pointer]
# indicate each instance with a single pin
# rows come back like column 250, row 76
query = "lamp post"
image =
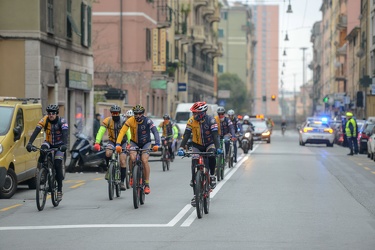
column 303, row 79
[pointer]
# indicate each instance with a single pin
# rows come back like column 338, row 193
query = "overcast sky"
column 298, row 25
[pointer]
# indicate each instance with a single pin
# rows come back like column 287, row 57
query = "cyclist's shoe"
column 191, row 183
column 131, row 181
column 106, row 175
column 147, row 189
column 122, row 186
column 192, row 202
column 59, row 196
column 213, row 181
column 235, row 160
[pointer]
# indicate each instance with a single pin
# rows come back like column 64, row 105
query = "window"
column 69, row 32
column 221, row 33
column 85, row 25
column 148, row 44
column 220, row 68
column 224, row 15
column 50, row 26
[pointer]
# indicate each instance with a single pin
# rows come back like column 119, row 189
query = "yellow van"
column 18, row 119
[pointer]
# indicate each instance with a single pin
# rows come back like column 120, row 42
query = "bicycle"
column 114, row 175
column 202, row 188
column 45, row 179
column 230, row 153
column 220, row 163
column 138, row 179
column 165, row 156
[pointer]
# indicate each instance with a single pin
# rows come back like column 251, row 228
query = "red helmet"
column 199, row 107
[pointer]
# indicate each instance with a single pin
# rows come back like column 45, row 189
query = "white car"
column 316, row 132
column 371, row 144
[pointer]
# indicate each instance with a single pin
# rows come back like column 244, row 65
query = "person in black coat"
column 96, row 124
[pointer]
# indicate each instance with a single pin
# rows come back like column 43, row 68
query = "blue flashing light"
column 324, row 119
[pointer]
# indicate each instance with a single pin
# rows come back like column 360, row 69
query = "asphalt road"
column 279, row 196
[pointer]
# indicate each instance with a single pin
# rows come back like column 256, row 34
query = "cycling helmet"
column 199, row 107
column 230, row 112
column 53, row 108
column 115, row 108
column 138, row 109
column 166, row 117
column 349, row 114
column 246, row 118
column 220, row 110
column 129, row 113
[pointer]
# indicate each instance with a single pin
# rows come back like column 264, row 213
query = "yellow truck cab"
column 19, row 117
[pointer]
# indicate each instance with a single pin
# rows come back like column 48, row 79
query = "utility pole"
column 303, row 80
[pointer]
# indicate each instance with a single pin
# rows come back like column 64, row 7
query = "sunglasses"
column 115, row 113
column 138, row 114
column 51, row 113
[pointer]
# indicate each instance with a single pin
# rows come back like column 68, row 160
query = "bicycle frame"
column 46, row 181
column 201, row 182
column 166, row 157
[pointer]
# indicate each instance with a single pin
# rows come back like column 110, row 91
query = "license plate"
column 318, row 137
column 256, row 138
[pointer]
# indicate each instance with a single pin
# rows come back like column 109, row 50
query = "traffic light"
column 273, row 97
column 325, row 99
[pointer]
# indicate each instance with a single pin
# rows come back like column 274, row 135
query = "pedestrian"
column 96, row 124
column 351, row 133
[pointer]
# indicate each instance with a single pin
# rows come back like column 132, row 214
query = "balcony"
column 207, row 46
column 198, row 34
column 341, row 51
column 181, row 32
column 342, row 21
column 164, row 16
column 215, row 17
column 199, row 3
column 208, row 11
column 219, row 51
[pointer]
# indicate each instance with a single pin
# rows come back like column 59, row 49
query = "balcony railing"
column 164, row 14
column 342, row 21
column 198, row 34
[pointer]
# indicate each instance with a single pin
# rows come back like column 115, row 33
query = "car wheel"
column 10, row 185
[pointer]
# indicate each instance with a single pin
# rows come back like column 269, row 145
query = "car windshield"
column 183, row 116
column 6, row 118
column 259, row 124
column 369, row 128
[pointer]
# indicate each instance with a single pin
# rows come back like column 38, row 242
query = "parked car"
column 363, row 136
column 316, row 132
column 371, row 144
column 156, row 121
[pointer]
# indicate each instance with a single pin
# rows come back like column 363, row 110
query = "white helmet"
column 246, row 118
column 230, row 112
column 129, row 113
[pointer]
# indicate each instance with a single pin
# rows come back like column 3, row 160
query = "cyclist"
column 237, row 128
column 170, row 132
column 113, row 124
column 129, row 114
column 203, row 129
column 225, row 128
column 140, row 128
column 56, row 129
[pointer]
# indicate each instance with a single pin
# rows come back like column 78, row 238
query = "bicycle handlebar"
column 45, row 150
column 189, row 154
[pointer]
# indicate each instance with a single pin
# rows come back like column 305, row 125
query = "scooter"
column 247, row 139
column 82, row 153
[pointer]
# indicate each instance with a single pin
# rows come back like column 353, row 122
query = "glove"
column 29, row 147
column 219, row 151
column 96, row 147
column 155, row 148
column 180, row 152
column 118, row 148
column 63, row 148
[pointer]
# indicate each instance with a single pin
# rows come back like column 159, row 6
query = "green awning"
column 158, row 84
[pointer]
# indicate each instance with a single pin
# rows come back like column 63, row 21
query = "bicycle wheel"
column 111, row 183
column 136, row 186
column 206, row 194
column 219, row 167
column 230, row 157
column 141, row 188
column 199, row 193
column 164, row 158
column 41, row 188
column 169, row 158
column 54, row 185
column 127, row 171
column 117, row 180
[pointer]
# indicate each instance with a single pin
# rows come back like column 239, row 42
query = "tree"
column 238, row 92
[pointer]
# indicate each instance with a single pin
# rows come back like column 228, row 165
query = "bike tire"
column 136, row 186
column 117, row 181
column 206, row 195
column 141, row 190
column 222, row 173
column 54, row 186
column 168, row 162
column 41, row 188
column 127, row 177
column 199, row 193
column 164, row 158
column 111, row 184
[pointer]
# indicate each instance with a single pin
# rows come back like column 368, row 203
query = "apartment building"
column 45, row 49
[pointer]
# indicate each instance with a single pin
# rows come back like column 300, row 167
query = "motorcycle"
column 247, row 139
column 82, row 153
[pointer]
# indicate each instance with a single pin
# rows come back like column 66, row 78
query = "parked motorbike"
column 83, row 155
column 247, row 139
